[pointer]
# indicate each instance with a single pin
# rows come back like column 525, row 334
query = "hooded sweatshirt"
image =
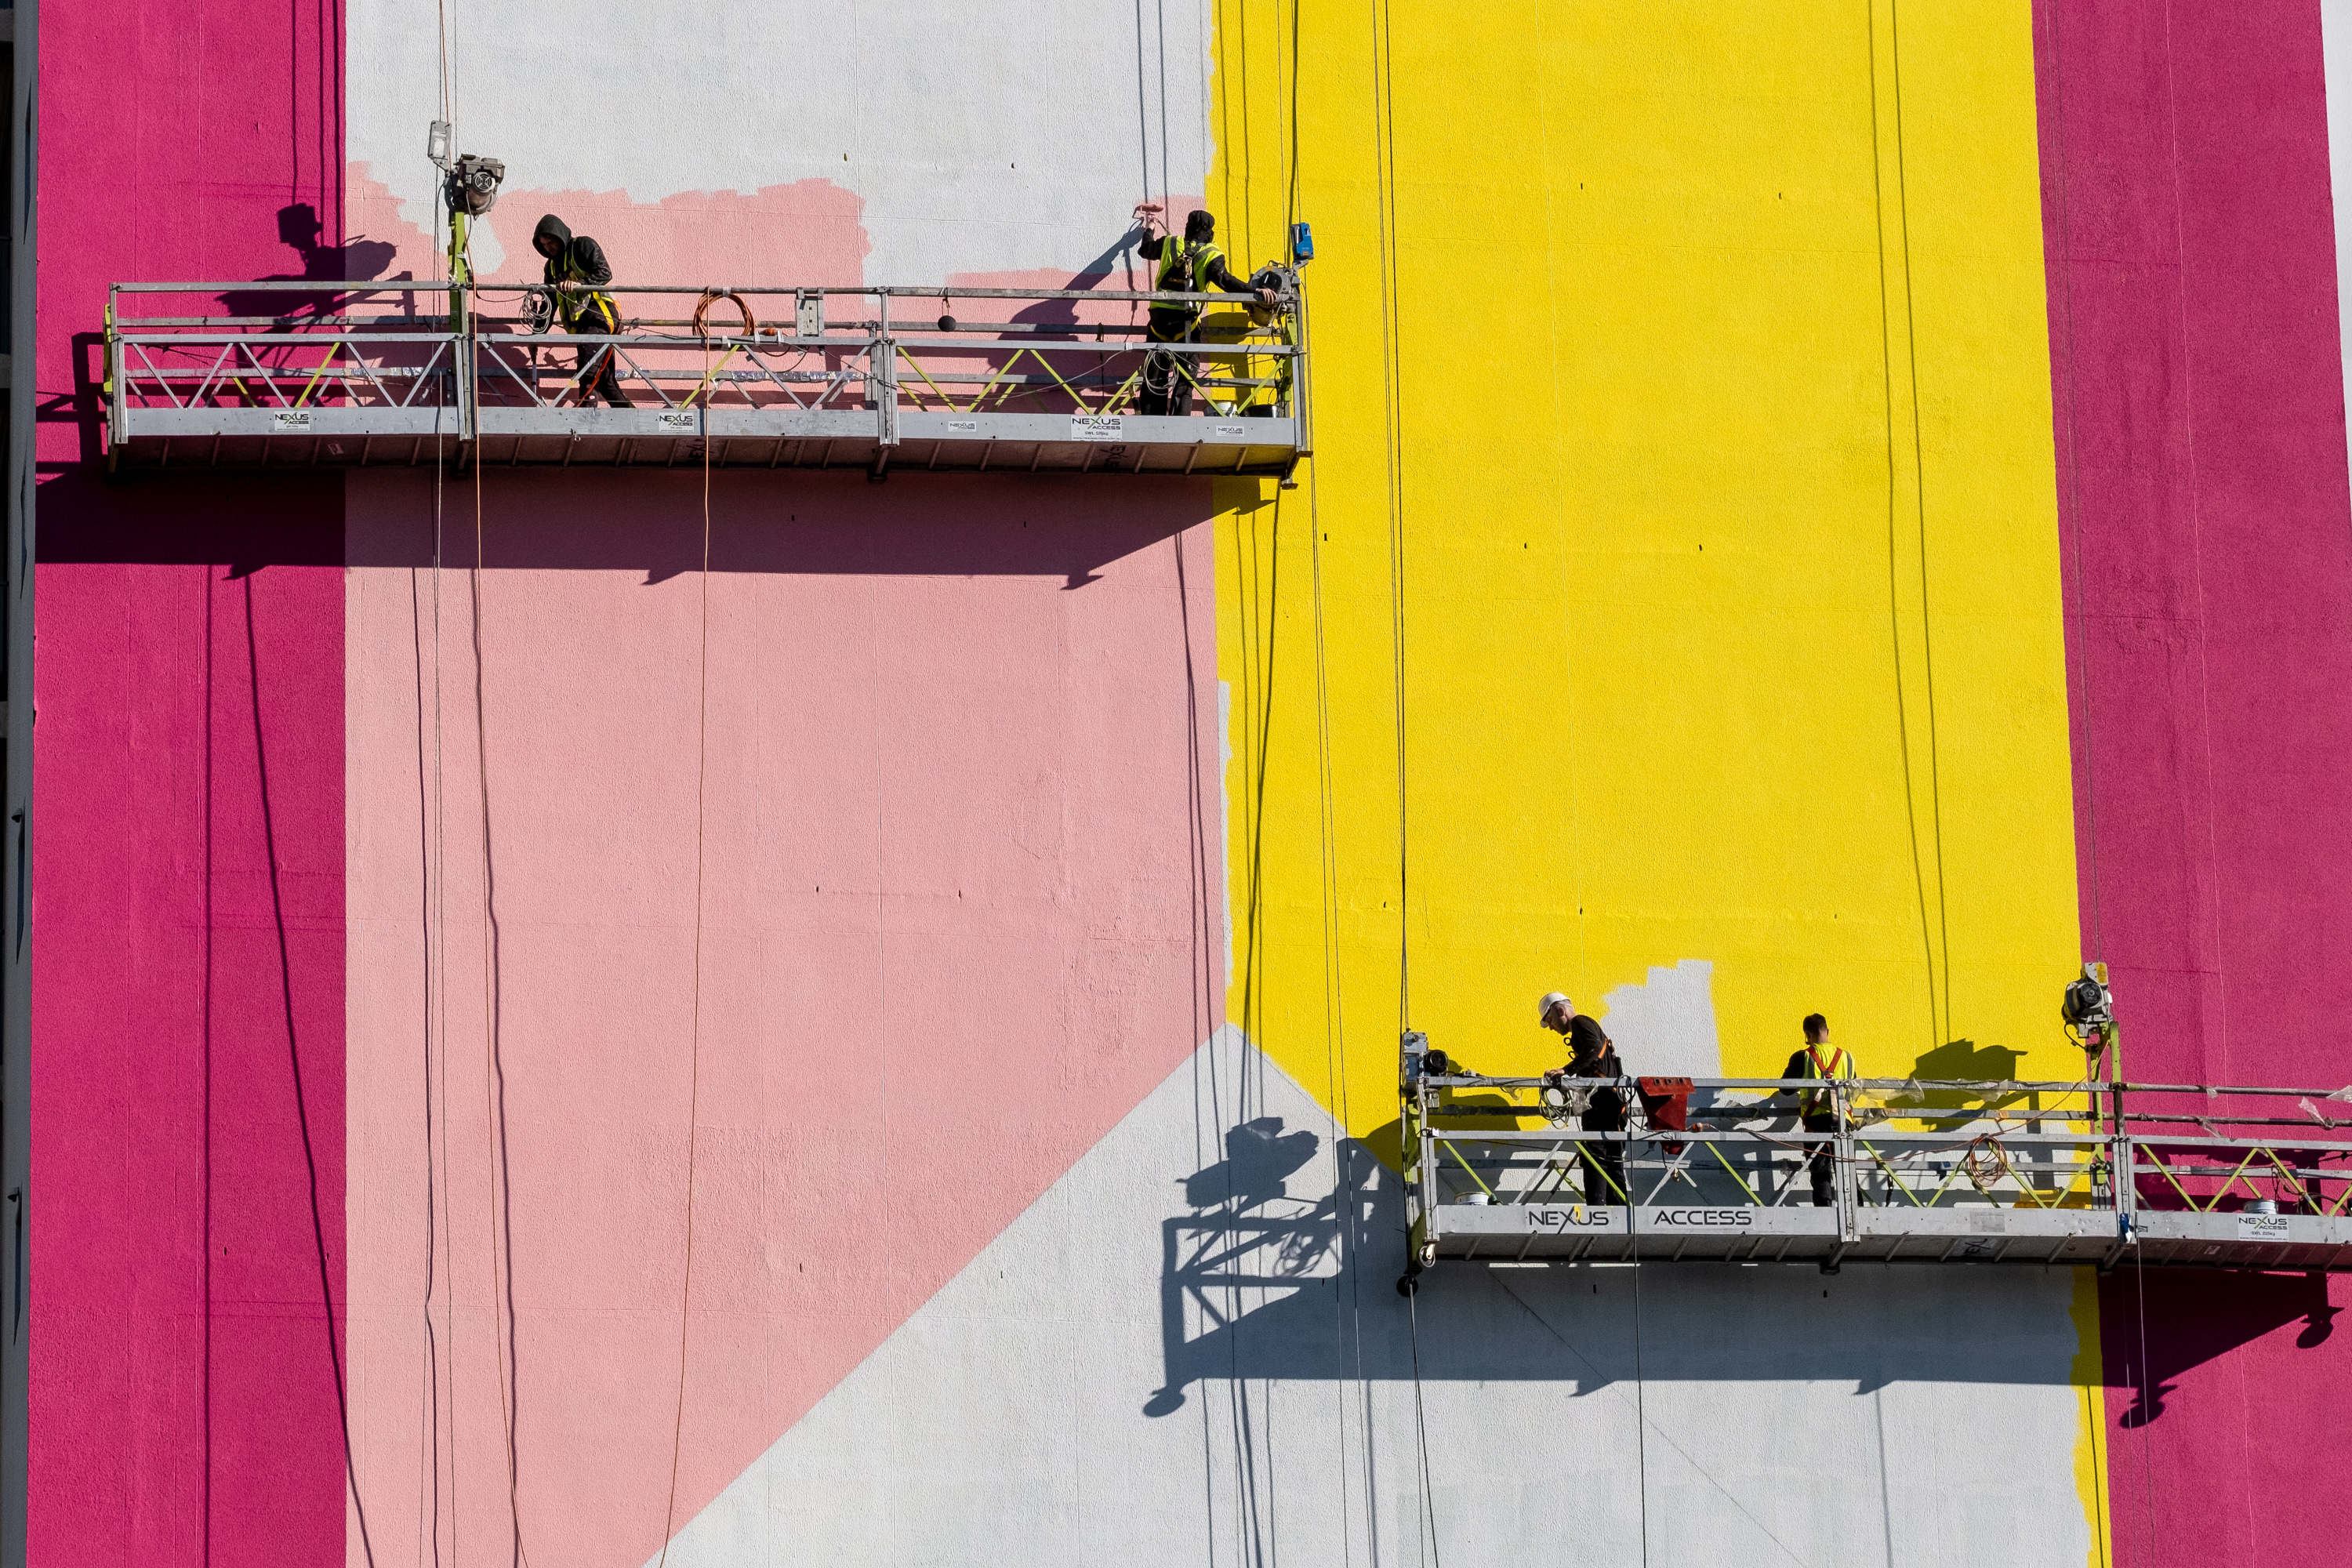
column 586, row 257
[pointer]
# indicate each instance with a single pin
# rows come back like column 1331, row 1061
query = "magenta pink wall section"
column 2208, row 548
column 187, row 1245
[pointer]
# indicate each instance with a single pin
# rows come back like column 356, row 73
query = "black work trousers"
column 600, row 363
column 1604, row 1164
column 1820, row 1162
column 1167, row 384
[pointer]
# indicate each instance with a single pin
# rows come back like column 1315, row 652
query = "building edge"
column 15, row 980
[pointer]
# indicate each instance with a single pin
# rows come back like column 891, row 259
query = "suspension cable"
column 1384, row 170
column 495, row 1151
column 1886, row 358
column 694, row 1058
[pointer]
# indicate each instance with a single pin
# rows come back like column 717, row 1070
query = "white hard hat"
column 1552, row 999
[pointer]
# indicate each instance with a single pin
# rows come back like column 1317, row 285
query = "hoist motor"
column 2088, row 1005
column 474, row 184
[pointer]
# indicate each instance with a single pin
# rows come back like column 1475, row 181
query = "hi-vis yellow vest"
column 1183, row 269
column 595, row 304
column 1840, row 1065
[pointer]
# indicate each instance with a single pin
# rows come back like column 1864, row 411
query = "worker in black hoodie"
column 575, row 266
column 1592, row 1055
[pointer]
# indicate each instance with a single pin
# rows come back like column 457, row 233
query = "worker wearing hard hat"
column 1192, row 266
column 575, row 266
column 1591, row 1054
column 1817, row 1109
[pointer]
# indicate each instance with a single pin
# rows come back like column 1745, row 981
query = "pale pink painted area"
column 958, row 915
column 806, row 232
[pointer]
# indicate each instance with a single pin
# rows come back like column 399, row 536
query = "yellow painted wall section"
column 2091, row 1440
column 1683, row 458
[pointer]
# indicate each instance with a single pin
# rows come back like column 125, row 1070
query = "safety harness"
column 1185, row 268
column 1840, row 1065
column 572, row 306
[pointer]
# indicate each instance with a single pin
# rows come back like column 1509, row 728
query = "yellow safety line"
column 2302, row 1194
column 304, row 396
column 1591, row 1163
column 1119, row 396
column 1735, row 1177
column 913, row 364
column 1893, row 1177
column 1057, row 374
column 2223, row 1191
column 732, row 349
column 1458, row 1159
column 982, row 395
column 2158, row 1161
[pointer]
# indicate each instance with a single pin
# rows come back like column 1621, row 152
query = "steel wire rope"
column 1641, row 1384
column 2090, row 750
column 1919, row 493
column 499, row 1194
column 439, row 963
column 2146, row 1389
column 2205, row 701
column 1258, row 677
column 1894, row 590
column 1568, row 624
column 1348, row 1312
column 693, row 1050
column 1664, row 1436
column 1384, row 187
column 436, row 1188
column 1160, row 11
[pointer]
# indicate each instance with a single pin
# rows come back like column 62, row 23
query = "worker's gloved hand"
column 572, row 286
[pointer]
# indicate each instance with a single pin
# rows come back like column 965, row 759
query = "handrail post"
column 1848, row 1183
column 463, row 350
column 118, row 421
column 882, row 378
column 2125, row 1178
column 1302, row 402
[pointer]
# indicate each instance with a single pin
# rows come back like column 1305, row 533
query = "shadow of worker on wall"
column 1249, row 1250
column 301, row 230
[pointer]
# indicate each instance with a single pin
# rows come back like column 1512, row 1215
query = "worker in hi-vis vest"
column 575, row 266
column 1817, row 1108
column 1192, row 266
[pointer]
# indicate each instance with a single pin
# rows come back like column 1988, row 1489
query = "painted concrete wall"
column 630, row 1053
column 187, row 1224
column 2202, row 494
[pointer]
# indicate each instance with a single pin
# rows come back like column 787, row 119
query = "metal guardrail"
column 1921, row 1171
column 1040, row 380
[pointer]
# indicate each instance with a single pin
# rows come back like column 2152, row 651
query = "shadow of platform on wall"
column 1068, row 527
column 1285, row 1268
column 805, row 523
column 2190, row 1317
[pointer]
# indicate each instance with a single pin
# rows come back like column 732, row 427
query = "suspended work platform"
column 970, row 380
column 1718, row 1170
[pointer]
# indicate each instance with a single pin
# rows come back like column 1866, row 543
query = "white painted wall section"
column 980, row 138
column 1185, row 1353
column 2335, row 34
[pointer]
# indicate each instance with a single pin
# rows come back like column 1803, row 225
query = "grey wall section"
column 16, row 967
column 1182, row 1354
